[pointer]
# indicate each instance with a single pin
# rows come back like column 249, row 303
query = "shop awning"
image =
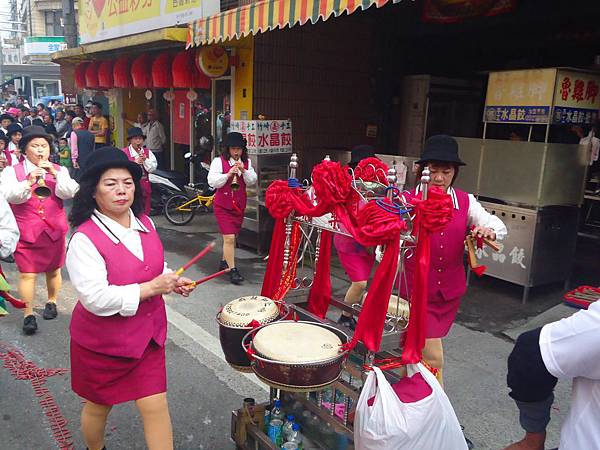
column 268, row 15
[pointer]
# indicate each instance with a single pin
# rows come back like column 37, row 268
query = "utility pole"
column 70, row 23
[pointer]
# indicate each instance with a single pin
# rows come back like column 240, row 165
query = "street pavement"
column 203, row 389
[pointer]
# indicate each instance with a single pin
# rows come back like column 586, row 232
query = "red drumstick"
column 192, row 261
column 209, row 277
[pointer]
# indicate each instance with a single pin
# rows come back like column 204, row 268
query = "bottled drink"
column 267, row 418
column 287, row 427
column 274, row 431
column 277, row 411
column 296, row 436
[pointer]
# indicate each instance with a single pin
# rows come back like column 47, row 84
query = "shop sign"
column 44, row 45
column 213, row 61
column 520, row 96
column 576, row 97
column 109, row 19
column 265, row 136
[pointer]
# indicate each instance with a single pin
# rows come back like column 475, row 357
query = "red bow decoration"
column 431, row 215
column 372, row 169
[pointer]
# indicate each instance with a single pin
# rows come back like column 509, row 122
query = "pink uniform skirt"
column 44, row 255
column 228, row 220
column 109, row 380
column 440, row 315
column 355, row 258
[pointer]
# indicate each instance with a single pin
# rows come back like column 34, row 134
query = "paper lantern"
column 91, row 75
column 141, row 73
column 80, row 75
column 105, row 74
column 121, row 73
column 161, row 71
column 186, row 74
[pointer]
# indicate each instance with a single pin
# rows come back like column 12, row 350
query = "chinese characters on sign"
column 265, row 136
column 515, row 256
column 577, row 97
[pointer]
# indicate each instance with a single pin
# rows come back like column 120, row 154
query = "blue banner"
column 563, row 114
column 517, row 114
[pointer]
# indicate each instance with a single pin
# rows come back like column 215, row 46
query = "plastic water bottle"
column 287, row 427
column 296, row 436
column 277, row 411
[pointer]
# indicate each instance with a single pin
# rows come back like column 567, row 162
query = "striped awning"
column 265, row 15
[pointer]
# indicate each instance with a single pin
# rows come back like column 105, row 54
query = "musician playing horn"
column 229, row 174
column 137, row 152
column 35, row 189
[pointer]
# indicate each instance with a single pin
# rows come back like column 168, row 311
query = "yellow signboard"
column 213, row 61
column 108, row 19
column 522, row 96
column 576, row 98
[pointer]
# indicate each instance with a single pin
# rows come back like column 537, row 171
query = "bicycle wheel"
column 175, row 213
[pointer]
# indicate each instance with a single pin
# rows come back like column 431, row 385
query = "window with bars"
column 54, row 23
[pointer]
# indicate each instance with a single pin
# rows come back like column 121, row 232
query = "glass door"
column 221, row 111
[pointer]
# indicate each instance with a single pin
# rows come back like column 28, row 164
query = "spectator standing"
column 69, row 116
column 28, row 120
column 82, row 145
column 60, row 123
column 98, row 125
column 49, row 126
column 155, row 137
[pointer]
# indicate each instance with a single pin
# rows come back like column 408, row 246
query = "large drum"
column 297, row 356
column 237, row 318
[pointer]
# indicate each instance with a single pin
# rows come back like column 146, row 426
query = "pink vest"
column 144, row 181
column 8, row 155
column 446, row 267
column 36, row 216
column 116, row 335
column 225, row 196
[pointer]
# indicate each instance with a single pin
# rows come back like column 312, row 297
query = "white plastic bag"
column 390, row 424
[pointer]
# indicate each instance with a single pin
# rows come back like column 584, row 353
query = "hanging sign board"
column 576, row 97
column 520, row 96
column 265, row 136
column 213, row 61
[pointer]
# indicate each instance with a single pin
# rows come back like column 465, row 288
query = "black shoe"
column 470, row 444
column 50, row 311
column 235, row 276
column 29, row 325
column 223, row 265
column 9, row 259
column 347, row 321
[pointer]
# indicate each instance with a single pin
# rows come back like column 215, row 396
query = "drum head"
column 398, row 307
column 296, row 342
column 241, row 311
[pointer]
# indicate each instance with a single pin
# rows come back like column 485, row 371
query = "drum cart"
column 326, row 416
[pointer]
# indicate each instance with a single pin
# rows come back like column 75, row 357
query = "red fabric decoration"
column 186, row 74
column 80, row 75
column 91, row 75
column 319, row 296
column 331, row 182
column 105, row 74
column 431, row 215
column 141, row 73
column 121, row 73
column 161, row 71
column 275, row 263
column 372, row 169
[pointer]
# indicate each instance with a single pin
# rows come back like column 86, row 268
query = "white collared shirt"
column 9, row 231
column 18, row 192
column 217, row 179
column 87, row 268
column 150, row 164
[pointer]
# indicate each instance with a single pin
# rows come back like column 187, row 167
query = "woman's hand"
column 162, row 284
column 36, row 173
column 483, row 232
column 184, row 286
column 234, row 170
column 48, row 167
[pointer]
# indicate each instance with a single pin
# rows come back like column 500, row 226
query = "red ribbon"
column 431, row 215
column 319, row 296
column 372, row 169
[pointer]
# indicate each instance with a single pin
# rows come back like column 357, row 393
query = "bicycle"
column 180, row 209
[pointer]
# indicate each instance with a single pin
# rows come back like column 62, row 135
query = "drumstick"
column 209, row 277
column 192, row 261
column 491, row 244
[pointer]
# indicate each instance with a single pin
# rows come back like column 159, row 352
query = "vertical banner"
column 181, row 118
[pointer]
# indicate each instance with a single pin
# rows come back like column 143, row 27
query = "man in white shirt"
column 155, row 137
column 567, row 349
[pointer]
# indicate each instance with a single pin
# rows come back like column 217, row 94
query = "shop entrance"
column 221, row 111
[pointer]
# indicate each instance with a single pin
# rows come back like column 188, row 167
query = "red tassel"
column 80, row 75
column 254, row 324
column 121, row 73
column 161, row 71
column 105, row 74
column 91, row 75
column 479, row 270
column 141, row 73
column 13, row 301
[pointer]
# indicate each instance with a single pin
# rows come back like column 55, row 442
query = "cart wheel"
column 175, row 213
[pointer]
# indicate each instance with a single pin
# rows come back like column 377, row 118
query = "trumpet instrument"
column 235, row 182
column 40, row 189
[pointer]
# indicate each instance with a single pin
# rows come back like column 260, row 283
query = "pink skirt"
column 110, row 380
column 44, row 255
column 355, row 259
column 228, row 220
column 440, row 315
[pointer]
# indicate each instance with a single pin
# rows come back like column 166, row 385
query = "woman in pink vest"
column 229, row 174
column 447, row 281
column 119, row 325
column 13, row 151
column 139, row 154
column 41, row 218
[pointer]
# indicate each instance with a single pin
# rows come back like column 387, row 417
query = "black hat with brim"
column 442, row 148
column 110, row 158
column 361, row 152
column 135, row 132
column 235, row 139
column 32, row 132
column 12, row 129
column 6, row 116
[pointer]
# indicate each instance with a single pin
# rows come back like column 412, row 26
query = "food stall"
column 535, row 187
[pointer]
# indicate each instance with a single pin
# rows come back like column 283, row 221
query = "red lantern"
column 141, row 71
column 121, row 73
column 91, row 75
column 80, row 75
column 185, row 72
column 105, row 74
column 161, row 71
